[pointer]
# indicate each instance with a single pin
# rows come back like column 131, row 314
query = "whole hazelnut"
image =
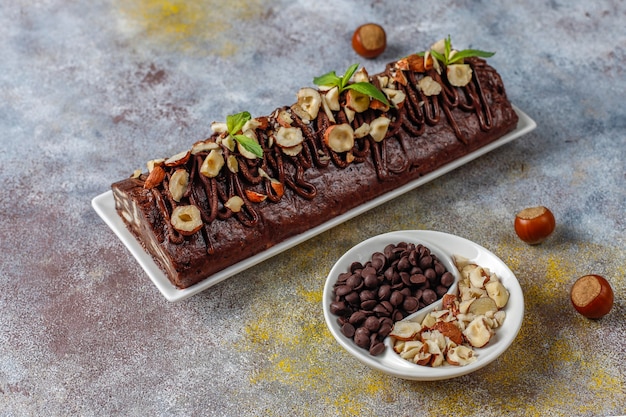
column 369, row 40
column 534, row 224
column 592, row 296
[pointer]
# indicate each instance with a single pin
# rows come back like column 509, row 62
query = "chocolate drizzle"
column 409, row 121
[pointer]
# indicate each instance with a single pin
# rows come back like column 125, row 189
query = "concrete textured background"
column 89, row 91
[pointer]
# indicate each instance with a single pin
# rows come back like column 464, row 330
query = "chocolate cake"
column 258, row 181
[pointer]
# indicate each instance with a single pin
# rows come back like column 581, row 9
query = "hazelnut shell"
column 533, row 225
column 592, row 296
column 369, row 40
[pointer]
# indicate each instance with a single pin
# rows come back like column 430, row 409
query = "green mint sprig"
column 343, row 83
column 446, row 59
column 234, row 124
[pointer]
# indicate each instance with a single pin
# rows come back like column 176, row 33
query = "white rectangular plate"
column 104, row 205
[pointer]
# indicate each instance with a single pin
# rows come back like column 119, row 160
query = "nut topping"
column 415, row 63
column 362, row 131
column 178, row 159
column 429, row 86
column 252, row 124
column 310, row 101
column 255, row 196
column 151, row 164
column 396, row 97
column 234, row 204
column 349, row 113
column 186, row 219
column 219, row 127
column 339, row 138
column 232, row 164
column 357, row 101
column 332, row 98
column 212, row 164
column 178, row 184
column 361, row 76
column 283, row 118
column 203, row 146
column 287, row 137
column 278, row 187
column 155, row 177
column 292, row 150
column 379, row 127
column 459, row 75
column 327, row 110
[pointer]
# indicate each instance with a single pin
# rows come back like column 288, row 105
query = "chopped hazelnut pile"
column 466, row 321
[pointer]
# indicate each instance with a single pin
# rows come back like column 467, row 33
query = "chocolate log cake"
column 258, row 181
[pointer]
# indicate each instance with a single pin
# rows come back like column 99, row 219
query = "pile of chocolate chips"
column 370, row 298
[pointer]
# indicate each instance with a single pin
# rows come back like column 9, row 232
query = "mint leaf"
column 438, row 56
column 446, row 59
column 328, row 79
column 448, row 48
column 235, row 122
column 466, row 53
column 345, row 79
column 249, row 145
column 370, row 90
column 342, row 83
column 332, row 79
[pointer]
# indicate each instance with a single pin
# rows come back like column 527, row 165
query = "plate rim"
column 407, row 370
column 104, row 206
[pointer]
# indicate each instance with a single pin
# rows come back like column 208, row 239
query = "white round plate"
column 444, row 246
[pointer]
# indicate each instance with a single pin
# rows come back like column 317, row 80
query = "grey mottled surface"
column 91, row 90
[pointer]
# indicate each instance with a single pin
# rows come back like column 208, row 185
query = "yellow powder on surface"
column 204, row 24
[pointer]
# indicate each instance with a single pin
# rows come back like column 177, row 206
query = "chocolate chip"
column 385, row 329
column 354, row 281
column 411, row 303
column 338, row 308
column 342, row 290
column 356, row 266
column 430, row 275
column 441, row 291
column 362, row 337
column 404, row 264
column 447, row 279
column 371, row 281
column 357, row 318
column 396, row 298
column 367, row 295
column 344, row 276
column 384, row 291
column 353, row 299
column 426, row 262
column 406, row 278
column 418, row 279
column 440, row 269
column 378, row 261
column 348, row 330
column 429, row 296
column 377, row 348
column 372, row 324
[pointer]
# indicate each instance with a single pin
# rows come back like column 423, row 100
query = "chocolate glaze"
column 426, row 133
